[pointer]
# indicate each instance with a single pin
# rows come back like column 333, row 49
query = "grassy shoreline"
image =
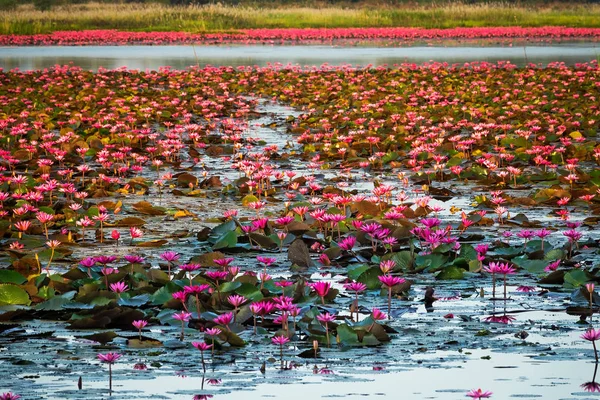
column 25, row 19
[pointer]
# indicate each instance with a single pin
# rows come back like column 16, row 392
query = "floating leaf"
column 164, row 294
column 57, row 302
column 186, row 180
column 143, row 344
column 430, row 262
column 404, row 260
column 229, row 286
column 102, row 337
column 143, row 207
column 129, row 221
column 135, row 301
column 263, row 241
column 450, row 272
column 232, row 338
column 250, row 292
column 553, row 255
column 228, row 240
column 298, row 254
column 576, row 278
column 371, row 278
column 152, row 243
column 249, row 198
column 9, row 276
column 533, row 266
column 12, row 294
column 356, row 270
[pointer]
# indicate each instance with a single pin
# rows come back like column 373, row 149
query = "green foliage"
column 9, row 276
column 12, row 294
column 8, row 4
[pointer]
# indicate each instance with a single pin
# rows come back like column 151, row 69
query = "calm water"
column 152, row 57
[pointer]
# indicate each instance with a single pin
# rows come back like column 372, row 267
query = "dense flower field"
column 311, row 35
column 86, row 159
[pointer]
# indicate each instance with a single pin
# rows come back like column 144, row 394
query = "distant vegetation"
column 45, row 16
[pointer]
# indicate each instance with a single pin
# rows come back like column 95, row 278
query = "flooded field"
column 423, row 231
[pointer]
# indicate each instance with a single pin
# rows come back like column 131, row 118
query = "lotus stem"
column 389, row 303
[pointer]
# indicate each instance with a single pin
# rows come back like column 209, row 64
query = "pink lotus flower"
column 213, row 332
column 170, row 256
column 184, row 317
column 297, row 35
column 223, row 262
column 224, row 319
column 479, row 394
column 322, row 289
column 280, row 340
column 119, row 287
column 236, row 300
column 109, row 358
column 591, row 335
column 139, row 325
column 135, row 233
column 133, row 259
column 267, row 261
column 9, row 396
column 347, row 243
column 378, row 315
column 389, row 281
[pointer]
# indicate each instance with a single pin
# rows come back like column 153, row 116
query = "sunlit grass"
column 25, row 19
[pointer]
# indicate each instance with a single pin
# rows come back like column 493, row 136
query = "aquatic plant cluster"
column 85, row 155
column 299, row 36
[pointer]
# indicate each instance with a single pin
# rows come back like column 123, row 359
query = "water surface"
column 183, row 56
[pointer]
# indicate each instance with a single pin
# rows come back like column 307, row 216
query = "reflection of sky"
column 507, row 376
column 152, row 57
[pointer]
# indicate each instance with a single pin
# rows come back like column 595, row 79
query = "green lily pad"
column 228, row 240
column 232, row 338
column 225, row 227
column 371, row 278
column 229, row 286
column 249, row 291
column 12, row 294
column 576, row 278
column 451, row 272
column 9, row 276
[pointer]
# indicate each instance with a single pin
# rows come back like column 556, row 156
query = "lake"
column 179, row 57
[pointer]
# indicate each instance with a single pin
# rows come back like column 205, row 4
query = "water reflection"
column 179, row 57
column 592, row 386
